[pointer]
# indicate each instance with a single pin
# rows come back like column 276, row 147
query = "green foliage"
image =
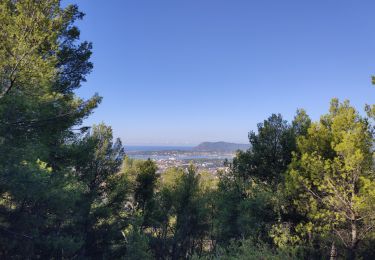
column 334, row 177
column 249, row 196
column 145, row 183
column 270, row 152
column 191, row 215
column 137, row 243
column 304, row 190
column 40, row 66
column 248, row 250
column 243, row 210
column 171, row 177
column 98, row 161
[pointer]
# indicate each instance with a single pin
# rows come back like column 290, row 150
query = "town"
column 209, row 161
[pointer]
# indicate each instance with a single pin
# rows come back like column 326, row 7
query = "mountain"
column 220, row 147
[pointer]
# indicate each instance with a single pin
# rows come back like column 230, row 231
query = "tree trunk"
column 354, row 241
column 333, row 253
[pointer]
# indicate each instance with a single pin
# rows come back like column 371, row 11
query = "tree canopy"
column 303, row 190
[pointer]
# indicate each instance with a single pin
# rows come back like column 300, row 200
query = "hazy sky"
column 184, row 71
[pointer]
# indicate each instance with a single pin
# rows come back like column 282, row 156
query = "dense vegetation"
column 304, row 190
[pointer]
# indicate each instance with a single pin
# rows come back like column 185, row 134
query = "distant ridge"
column 220, row 147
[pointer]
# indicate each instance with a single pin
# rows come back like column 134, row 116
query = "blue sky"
column 176, row 72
